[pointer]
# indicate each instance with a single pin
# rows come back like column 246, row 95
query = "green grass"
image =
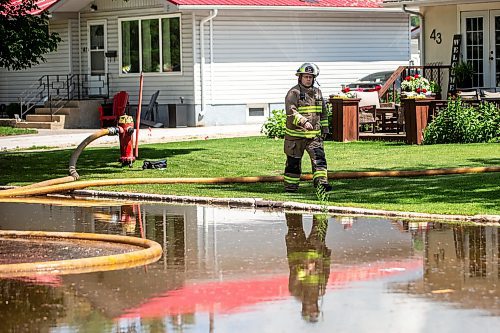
column 452, row 194
column 4, row 131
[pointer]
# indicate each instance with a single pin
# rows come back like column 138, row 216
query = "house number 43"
column 436, row 36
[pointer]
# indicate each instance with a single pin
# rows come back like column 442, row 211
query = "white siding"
column 171, row 86
column 256, row 55
column 13, row 83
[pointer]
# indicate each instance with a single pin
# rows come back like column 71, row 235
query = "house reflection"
column 461, row 264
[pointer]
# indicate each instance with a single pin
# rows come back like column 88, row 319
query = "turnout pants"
column 294, row 150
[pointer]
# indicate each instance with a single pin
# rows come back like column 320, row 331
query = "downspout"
column 79, row 44
column 422, row 30
column 202, row 58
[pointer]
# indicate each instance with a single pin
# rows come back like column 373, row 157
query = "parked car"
column 371, row 81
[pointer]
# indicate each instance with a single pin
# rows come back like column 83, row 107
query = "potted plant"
column 464, row 72
column 416, row 86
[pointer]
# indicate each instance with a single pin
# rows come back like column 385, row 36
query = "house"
column 478, row 22
column 215, row 62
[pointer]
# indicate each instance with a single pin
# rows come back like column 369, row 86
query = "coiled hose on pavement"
column 67, row 183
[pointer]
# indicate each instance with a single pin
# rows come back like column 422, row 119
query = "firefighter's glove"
column 308, row 126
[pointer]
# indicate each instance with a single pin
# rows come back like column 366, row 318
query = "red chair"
column 109, row 116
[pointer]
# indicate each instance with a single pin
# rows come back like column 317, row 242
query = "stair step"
column 45, row 118
column 67, row 104
column 40, row 125
column 61, row 111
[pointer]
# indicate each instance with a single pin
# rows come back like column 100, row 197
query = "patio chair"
column 109, row 115
column 469, row 96
column 149, row 113
column 368, row 105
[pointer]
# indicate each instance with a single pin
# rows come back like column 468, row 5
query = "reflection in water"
column 462, row 266
column 309, row 261
column 246, row 271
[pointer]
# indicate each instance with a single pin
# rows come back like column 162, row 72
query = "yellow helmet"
column 308, row 68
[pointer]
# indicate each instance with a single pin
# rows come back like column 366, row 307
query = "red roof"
column 42, row 4
column 283, row 3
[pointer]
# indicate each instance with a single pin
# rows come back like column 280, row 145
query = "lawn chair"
column 110, row 116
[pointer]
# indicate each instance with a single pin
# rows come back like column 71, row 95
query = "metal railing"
column 58, row 90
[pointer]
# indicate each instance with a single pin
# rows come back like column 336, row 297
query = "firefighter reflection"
column 309, row 262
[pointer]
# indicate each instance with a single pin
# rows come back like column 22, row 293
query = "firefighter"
column 309, row 262
column 306, row 126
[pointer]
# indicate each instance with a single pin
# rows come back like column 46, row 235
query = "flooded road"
column 232, row 270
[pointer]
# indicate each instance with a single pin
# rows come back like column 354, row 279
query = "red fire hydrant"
column 126, row 129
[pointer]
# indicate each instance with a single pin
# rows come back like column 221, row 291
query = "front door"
column 481, row 46
column 97, row 64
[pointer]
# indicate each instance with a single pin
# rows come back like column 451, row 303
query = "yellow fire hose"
column 148, row 252
column 59, row 185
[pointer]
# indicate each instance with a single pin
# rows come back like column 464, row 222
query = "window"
column 257, row 113
column 152, row 45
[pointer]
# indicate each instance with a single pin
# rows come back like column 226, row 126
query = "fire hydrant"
column 126, row 129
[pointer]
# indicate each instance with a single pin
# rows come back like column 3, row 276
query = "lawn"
column 4, row 131
column 467, row 194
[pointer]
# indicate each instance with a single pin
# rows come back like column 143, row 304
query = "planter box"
column 416, row 112
column 345, row 119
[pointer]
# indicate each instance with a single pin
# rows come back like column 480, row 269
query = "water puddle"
column 232, row 270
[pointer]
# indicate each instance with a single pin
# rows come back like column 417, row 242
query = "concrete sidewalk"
column 68, row 138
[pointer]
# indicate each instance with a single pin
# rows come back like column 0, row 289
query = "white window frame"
column 257, row 119
column 140, row 18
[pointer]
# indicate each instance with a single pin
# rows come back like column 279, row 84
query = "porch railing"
column 58, row 90
column 436, row 73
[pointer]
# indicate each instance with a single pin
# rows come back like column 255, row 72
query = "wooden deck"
column 382, row 136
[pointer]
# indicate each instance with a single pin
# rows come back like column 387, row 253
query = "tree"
column 25, row 36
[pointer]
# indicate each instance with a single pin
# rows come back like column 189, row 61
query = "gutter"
column 202, row 59
column 289, row 8
column 422, row 32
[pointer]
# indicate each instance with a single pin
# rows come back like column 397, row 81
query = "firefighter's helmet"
column 308, row 68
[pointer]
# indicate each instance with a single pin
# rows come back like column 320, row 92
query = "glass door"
column 476, row 45
column 481, row 46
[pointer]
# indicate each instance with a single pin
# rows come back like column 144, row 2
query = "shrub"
column 459, row 123
column 275, row 125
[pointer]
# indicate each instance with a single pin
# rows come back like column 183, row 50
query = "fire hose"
column 65, row 184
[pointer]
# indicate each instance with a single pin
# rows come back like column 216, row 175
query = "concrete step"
column 67, row 104
column 45, row 118
column 61, row 111
column 40, row 125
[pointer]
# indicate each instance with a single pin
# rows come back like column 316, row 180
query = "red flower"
column 418, row 90
column 346, row 90
column 416, row 76
column 378, row 87
column 408, row 78
column 424, row 90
